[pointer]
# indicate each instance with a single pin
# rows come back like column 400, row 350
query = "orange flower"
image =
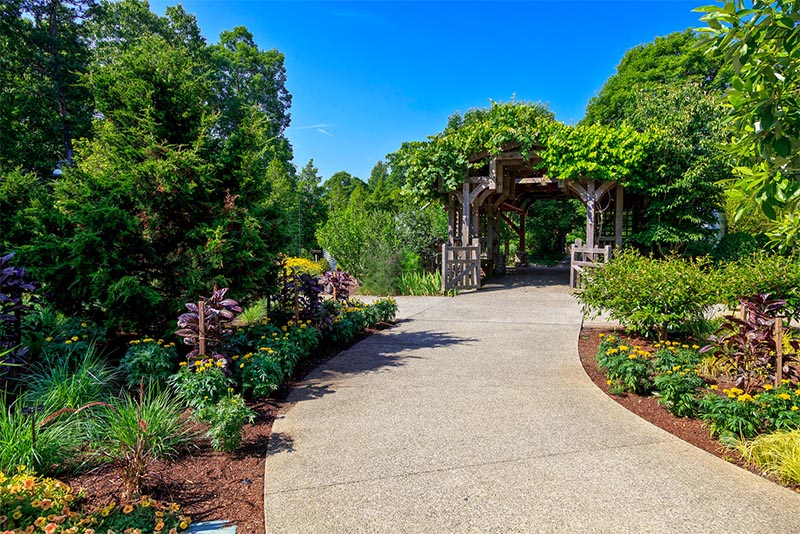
column 50, row 528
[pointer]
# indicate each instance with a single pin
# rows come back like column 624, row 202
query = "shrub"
column 16, row 295
column 738, row 245
column 762, row 272
column 306, row 266
column 52, row 336
column 207, row 323
column 777, row 453
column 201, row 381
column 135, row 432
column 627, row 368
column 150, row 360
column 648, row 295
column 226, row 418
column 737, row 413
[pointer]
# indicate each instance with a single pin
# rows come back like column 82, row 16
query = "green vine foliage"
column 436, row 166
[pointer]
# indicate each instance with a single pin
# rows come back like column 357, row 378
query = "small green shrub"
column 150, row 360
column 777, row 453
column 738, row 245
column 252, row 315
column 259, row 373
column 650, row 296
column 627, row 368
column 739, row 414
column 762, row 272
column 135, row 432
column 226, row 418
column 201, row 381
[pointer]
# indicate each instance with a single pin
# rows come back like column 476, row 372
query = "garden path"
column 474, row 415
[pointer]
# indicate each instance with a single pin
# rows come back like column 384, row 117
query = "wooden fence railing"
column 583, row 258
column 461, row 267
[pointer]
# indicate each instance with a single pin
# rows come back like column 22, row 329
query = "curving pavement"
column 474, row 414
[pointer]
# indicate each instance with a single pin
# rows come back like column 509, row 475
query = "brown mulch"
column 214, row 485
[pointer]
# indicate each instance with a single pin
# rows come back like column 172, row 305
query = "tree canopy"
column 761, row 42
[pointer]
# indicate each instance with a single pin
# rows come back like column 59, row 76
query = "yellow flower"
column 632, row 356
column 67, row 342
column 127, row 509
column 695, row 347
column 159, row 525
column 608, row 382
column 714, row 387
column 84, row 325
column 220, row 363
column 17, row 514
column 767, row 387
column 601, row 334
column 36, row 503
column 684, row 346
column 75, row 338
column 182, row 364
column 623, row 347
column 49, row 338
column 183, row 525
column 795, row 408
column 241, row 365
column 784, row 396
column 744, row 398
column 785, row 381
column 40, row 521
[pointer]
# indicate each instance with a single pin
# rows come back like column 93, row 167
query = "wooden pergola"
column 511, row 183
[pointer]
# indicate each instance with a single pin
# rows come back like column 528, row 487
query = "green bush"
column 778, row 276
column 738, row 245
column 226, row 418
column 626, row 367
column 420, row 284
column 149, row 360
column 201, row 381
column 677, row 379
column 741, row 415
column 648, row 295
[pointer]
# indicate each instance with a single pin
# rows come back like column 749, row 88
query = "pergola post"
column 466, row 211
column 590, row 215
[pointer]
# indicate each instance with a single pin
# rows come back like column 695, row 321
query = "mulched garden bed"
column 213, row 485
column 692, row 431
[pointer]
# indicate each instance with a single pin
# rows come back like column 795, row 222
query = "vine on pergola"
column 434, row 167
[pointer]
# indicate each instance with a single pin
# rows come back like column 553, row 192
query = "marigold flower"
column 182, row 364
column 632, row 356
column 68, row 342
column 714, row 387
column 795, row 408
column 17, row 514
column 241, row 366
column 784, row 396
column 767, row 387
column 48, row 338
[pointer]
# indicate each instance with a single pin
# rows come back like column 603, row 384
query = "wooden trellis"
column 511, row 183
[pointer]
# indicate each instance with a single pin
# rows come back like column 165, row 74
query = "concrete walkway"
column 474, row 415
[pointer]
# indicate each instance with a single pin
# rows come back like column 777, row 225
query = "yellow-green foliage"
column 776, row 454
column 303, row 265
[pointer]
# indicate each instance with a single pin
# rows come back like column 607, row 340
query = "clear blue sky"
column 366, row 76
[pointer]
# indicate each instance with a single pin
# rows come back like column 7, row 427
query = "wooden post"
column 522, row 216
column 451, row 218
column 778, row 351
column 444, row 268
column 201, row 327
column 465, row 216
column 618, row 216
column 590, row 202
